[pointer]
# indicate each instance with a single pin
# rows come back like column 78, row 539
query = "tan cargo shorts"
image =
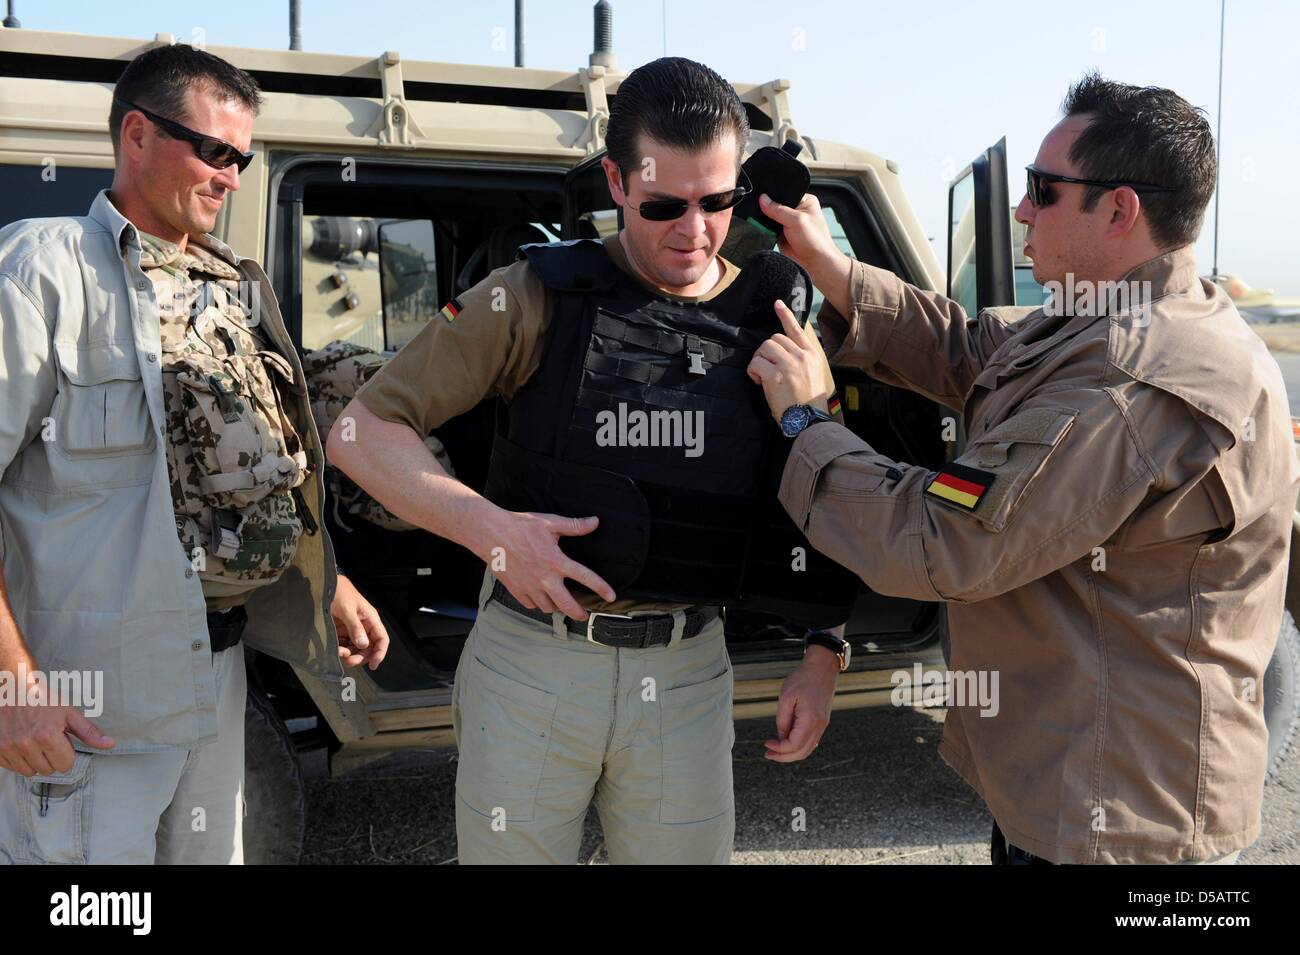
column 548, row 723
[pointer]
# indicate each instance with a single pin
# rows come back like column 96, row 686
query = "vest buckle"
column 695, row 352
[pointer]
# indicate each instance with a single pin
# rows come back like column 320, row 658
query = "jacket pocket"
column 58, row 814
column 100, row 409
column 696, row 737
column 1015, row 451
column 504, row 735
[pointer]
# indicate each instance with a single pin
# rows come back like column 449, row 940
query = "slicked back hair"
column 678, row 102
column 1146, row 134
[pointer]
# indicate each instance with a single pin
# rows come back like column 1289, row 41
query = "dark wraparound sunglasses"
column 215, row 152
column 1040, row 193
column 662, row 210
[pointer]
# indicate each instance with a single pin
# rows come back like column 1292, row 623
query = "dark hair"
column 678, row 102
column 158, row 80
column 1146, row 134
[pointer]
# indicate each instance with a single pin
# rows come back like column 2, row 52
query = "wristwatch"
column 837, row 645
column 798, row 417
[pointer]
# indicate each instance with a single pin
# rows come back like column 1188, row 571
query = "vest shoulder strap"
column 576, row 265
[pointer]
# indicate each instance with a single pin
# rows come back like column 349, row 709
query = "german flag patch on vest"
column 450, row 310
column 961, row 485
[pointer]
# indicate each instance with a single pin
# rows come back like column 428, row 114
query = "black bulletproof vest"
column 642, row 414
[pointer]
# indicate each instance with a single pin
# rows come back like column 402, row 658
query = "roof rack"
column 387, row 78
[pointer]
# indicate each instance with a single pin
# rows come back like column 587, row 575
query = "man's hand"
column 362, row 637
column 806, row 238
column 531, row 565
column 34, row 739
column 792, row 367
column 804, row 709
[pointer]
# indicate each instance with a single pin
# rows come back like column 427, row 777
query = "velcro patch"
column 451, row 310
column 961, row 485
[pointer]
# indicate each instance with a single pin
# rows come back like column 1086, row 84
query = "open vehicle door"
column 980, row 269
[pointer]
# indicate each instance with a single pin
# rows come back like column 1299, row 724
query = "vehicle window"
column 340, row 282
column 408, row 262
column 28, row 192
column 963, row 269
column 1028, row 291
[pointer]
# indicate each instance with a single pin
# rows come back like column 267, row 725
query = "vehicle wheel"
column 274, row 793
column 1281, row 702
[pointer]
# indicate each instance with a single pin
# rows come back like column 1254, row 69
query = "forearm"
column 909, row 337
column 830, row 274
column 14, row 651
column 392, row 464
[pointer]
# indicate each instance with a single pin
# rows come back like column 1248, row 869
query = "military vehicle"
column 382, row 187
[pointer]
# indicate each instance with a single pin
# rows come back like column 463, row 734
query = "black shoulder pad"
column 575, row 265
column 767, row 276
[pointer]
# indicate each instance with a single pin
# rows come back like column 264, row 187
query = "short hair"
column 158, row 80
column 680, row 103
column 1146, row 134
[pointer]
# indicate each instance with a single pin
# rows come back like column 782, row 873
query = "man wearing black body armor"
column 637, row 459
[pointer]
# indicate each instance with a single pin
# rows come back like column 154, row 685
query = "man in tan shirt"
column 1113, row 541
column 550, row 715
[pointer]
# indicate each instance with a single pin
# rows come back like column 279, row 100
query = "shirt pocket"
column 100, row 409
column 1015, row 452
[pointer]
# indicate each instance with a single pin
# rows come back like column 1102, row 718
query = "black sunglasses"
column 662, row 210
column 1040, row 193
column 215, row 152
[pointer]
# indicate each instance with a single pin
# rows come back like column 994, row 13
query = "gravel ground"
column 875, row 791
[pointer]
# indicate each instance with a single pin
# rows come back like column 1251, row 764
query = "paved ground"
column 874, row 792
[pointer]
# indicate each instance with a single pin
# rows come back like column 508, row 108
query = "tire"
column 274, row 793
column 1281, row 700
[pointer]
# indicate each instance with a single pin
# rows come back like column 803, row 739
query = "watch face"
column 794, row 420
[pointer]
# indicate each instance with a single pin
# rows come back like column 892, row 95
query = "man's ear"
column 1125, row 207
column 131, row 136
column 614, row 176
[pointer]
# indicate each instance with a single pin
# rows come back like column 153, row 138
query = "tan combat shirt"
column 490, row 348
column 1123, row 572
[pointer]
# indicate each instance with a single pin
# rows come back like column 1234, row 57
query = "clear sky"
column 928, row 84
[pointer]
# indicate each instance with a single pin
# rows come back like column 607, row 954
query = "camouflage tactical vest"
column 233, row 455
column 334, row 375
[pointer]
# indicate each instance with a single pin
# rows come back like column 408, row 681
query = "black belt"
column 225, row 629
column 615, row 629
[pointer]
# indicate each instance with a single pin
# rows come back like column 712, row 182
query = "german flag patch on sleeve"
column 960, row 485
column 451, row 310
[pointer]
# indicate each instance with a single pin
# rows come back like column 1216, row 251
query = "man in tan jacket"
column 1113, row 541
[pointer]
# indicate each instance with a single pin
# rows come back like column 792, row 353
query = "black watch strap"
column 837, row 645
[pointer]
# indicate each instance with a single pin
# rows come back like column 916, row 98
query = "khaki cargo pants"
column 174, row 806
column 546, row 723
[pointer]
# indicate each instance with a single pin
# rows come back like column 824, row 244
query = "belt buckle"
column 591, row 620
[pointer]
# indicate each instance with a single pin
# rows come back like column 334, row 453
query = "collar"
column 127, row 236
column 1170, row 272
